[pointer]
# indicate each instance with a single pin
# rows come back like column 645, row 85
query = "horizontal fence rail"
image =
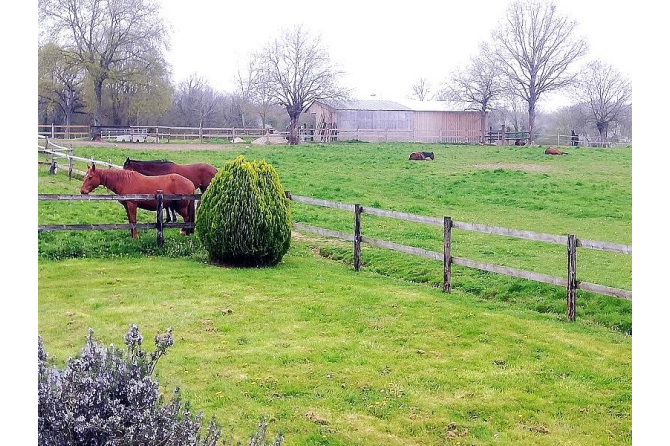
column 159, row 225
column 446, row 256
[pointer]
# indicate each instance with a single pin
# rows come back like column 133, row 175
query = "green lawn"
column 379, row 360
column 380, row 356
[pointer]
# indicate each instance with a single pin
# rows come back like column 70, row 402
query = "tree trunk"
column 531, row 121
column 97, row 87
column 483, row 127
column 293, row 138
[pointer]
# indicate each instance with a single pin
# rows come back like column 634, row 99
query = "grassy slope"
column 381, row 360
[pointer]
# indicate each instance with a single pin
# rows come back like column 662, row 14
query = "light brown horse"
column 128, row 182
column 554, row 151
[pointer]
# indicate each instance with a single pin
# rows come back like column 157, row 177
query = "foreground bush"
column 244, row 217
column 103, row 397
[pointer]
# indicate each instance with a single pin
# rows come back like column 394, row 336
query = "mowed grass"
column 333, row 357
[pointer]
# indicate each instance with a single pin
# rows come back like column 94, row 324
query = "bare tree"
column 605, row 94
column 298, row 73
column 535, row 47
column 196, row 101
column 478, row 85
column 102, row 36
column 247, row 83
column 421, row 90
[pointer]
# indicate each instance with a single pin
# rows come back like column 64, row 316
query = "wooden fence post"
column 357, row 237
column 52, row 167
column 446, row 287
column 572, row 276
column 159, row 218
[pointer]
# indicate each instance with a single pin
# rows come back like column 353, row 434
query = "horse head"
column 126, row 163
column 91, row 180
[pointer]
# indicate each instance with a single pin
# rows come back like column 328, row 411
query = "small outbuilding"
column 379, row 120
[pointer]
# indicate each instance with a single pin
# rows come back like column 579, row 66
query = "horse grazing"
column 419, row 156
column 430, row 155
column 128, row 182
column 200, row 174
column 554, row 151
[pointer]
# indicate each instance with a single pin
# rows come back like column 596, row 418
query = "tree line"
column 103, row 62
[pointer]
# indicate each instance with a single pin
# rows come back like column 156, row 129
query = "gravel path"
column 153, row 146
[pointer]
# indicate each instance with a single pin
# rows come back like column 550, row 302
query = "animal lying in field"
column 518, row 142
column 420, row 156
column 554, row 151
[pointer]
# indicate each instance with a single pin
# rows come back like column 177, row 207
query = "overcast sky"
column 383, row 49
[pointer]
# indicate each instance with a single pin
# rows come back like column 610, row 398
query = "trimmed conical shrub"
column 244, row 217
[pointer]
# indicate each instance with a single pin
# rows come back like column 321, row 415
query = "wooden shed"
column 378, row 120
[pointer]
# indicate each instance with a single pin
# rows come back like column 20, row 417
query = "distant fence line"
column 55, row 152
column 167, row 133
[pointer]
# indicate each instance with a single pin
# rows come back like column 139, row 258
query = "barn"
column 379, row 120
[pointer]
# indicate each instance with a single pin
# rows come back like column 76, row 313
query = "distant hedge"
column 244, row 217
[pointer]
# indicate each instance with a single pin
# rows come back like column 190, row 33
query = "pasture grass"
column 334, row 357
column 587, row 193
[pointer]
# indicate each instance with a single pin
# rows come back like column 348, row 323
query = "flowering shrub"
column 103, row 397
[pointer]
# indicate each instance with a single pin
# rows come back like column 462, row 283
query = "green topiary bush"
column 244, row 217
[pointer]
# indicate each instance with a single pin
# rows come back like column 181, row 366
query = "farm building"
column 378, row 120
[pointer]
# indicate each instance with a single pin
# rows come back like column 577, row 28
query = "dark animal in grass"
column 518, row 142
column 554, row 151
column 430, row 155
column 200, row 174
column 420, row 156
column 128, row 182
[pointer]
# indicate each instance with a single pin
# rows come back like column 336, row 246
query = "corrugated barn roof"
column 367, row 104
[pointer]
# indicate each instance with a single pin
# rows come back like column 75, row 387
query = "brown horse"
column 127, row 182
column 418, row 156
column 554, row 151
column 200, row 174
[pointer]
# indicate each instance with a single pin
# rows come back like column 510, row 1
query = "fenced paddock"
column 570, row 281
column 571, row 242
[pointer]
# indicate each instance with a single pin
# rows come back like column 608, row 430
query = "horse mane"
column 151, row 161
column 152, row 167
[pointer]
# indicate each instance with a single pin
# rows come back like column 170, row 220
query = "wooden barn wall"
column 462, row 124
column 322, row 113
column 374, row 119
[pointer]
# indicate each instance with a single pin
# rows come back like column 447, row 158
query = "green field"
column 380, row 356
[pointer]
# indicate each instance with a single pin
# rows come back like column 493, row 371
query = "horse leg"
column 187, row 210
column 131, row 210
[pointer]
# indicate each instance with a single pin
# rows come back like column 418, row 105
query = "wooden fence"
column 571, row 242
column 160, row 225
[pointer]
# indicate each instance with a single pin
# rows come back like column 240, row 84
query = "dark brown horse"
column 127, row 182
column 419, row 156
column 200, row 174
